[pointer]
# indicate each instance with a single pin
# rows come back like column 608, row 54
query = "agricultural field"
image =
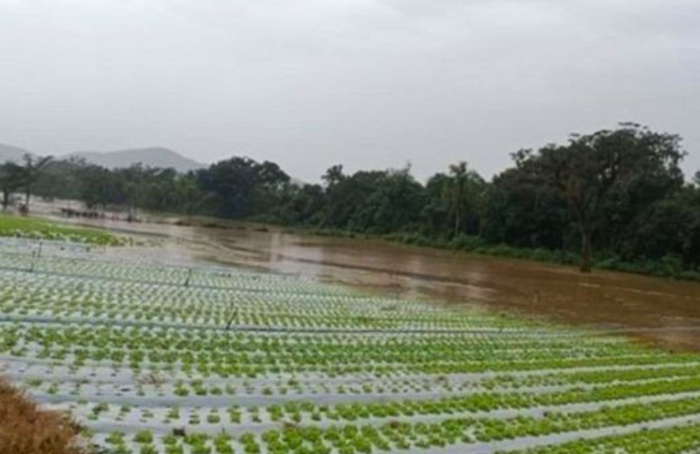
column 26, row 227
column 159, row 358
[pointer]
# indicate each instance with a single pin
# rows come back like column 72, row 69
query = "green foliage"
column 12, row 177
column 613, row 199
column 34, row 228
column 144, row 437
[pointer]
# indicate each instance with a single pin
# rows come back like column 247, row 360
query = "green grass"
column 24, row 227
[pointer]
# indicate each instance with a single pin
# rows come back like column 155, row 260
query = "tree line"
column 21, row 176
column 612, row 199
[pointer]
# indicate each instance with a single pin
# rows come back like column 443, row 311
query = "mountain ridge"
column 154, row 156
column 149, row 156
column 12, row 153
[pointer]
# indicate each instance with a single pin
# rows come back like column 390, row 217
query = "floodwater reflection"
column 663, row 311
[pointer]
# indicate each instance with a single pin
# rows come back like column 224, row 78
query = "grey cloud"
column 368, row 83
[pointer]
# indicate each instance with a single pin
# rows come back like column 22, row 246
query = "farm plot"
column 25, row 227
column 208, row 360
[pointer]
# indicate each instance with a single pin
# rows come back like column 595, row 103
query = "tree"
column 11, row 179
column 241, row 187
column 60, row 180
column 394, row 205
column 98, row 186
column 434, row 213
column 461, row 193
column 591, row 167
column 333, row 175
column 668, row 231
column 518, row 209
column 188, row 193
column 301, row 205
column 33, row 168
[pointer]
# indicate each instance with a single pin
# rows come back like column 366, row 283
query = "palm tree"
column 33, row 168
column 461, row 192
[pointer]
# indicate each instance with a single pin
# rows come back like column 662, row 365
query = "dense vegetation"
column 612, row 199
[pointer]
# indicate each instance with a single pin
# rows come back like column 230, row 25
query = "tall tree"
column 591, row 167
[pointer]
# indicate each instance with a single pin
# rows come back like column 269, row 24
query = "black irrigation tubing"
column 591, row 332
column 199, row 269
column 166, row 284
column 274, row 329
column 493, row 332
column 204, row 269
column 286, row 330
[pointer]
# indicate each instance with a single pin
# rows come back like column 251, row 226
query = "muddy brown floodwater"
column 663, row 311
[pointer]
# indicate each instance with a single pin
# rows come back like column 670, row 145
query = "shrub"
column 28, row 430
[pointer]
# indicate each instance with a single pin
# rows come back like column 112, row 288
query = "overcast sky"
column 366, row 83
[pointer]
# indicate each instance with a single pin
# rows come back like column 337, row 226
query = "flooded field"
column 662, row 311
column 155, row 351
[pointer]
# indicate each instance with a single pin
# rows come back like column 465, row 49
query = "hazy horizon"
column 365, row 83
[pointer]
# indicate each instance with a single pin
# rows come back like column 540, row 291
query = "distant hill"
column 150, row 157
column 10, row 153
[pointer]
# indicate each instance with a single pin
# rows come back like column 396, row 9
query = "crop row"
column 673, row 440
column 591, row 377
column 157, row 351
column 307, row 411
column 396, row 435
column 86, row 301
column 165, row 275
